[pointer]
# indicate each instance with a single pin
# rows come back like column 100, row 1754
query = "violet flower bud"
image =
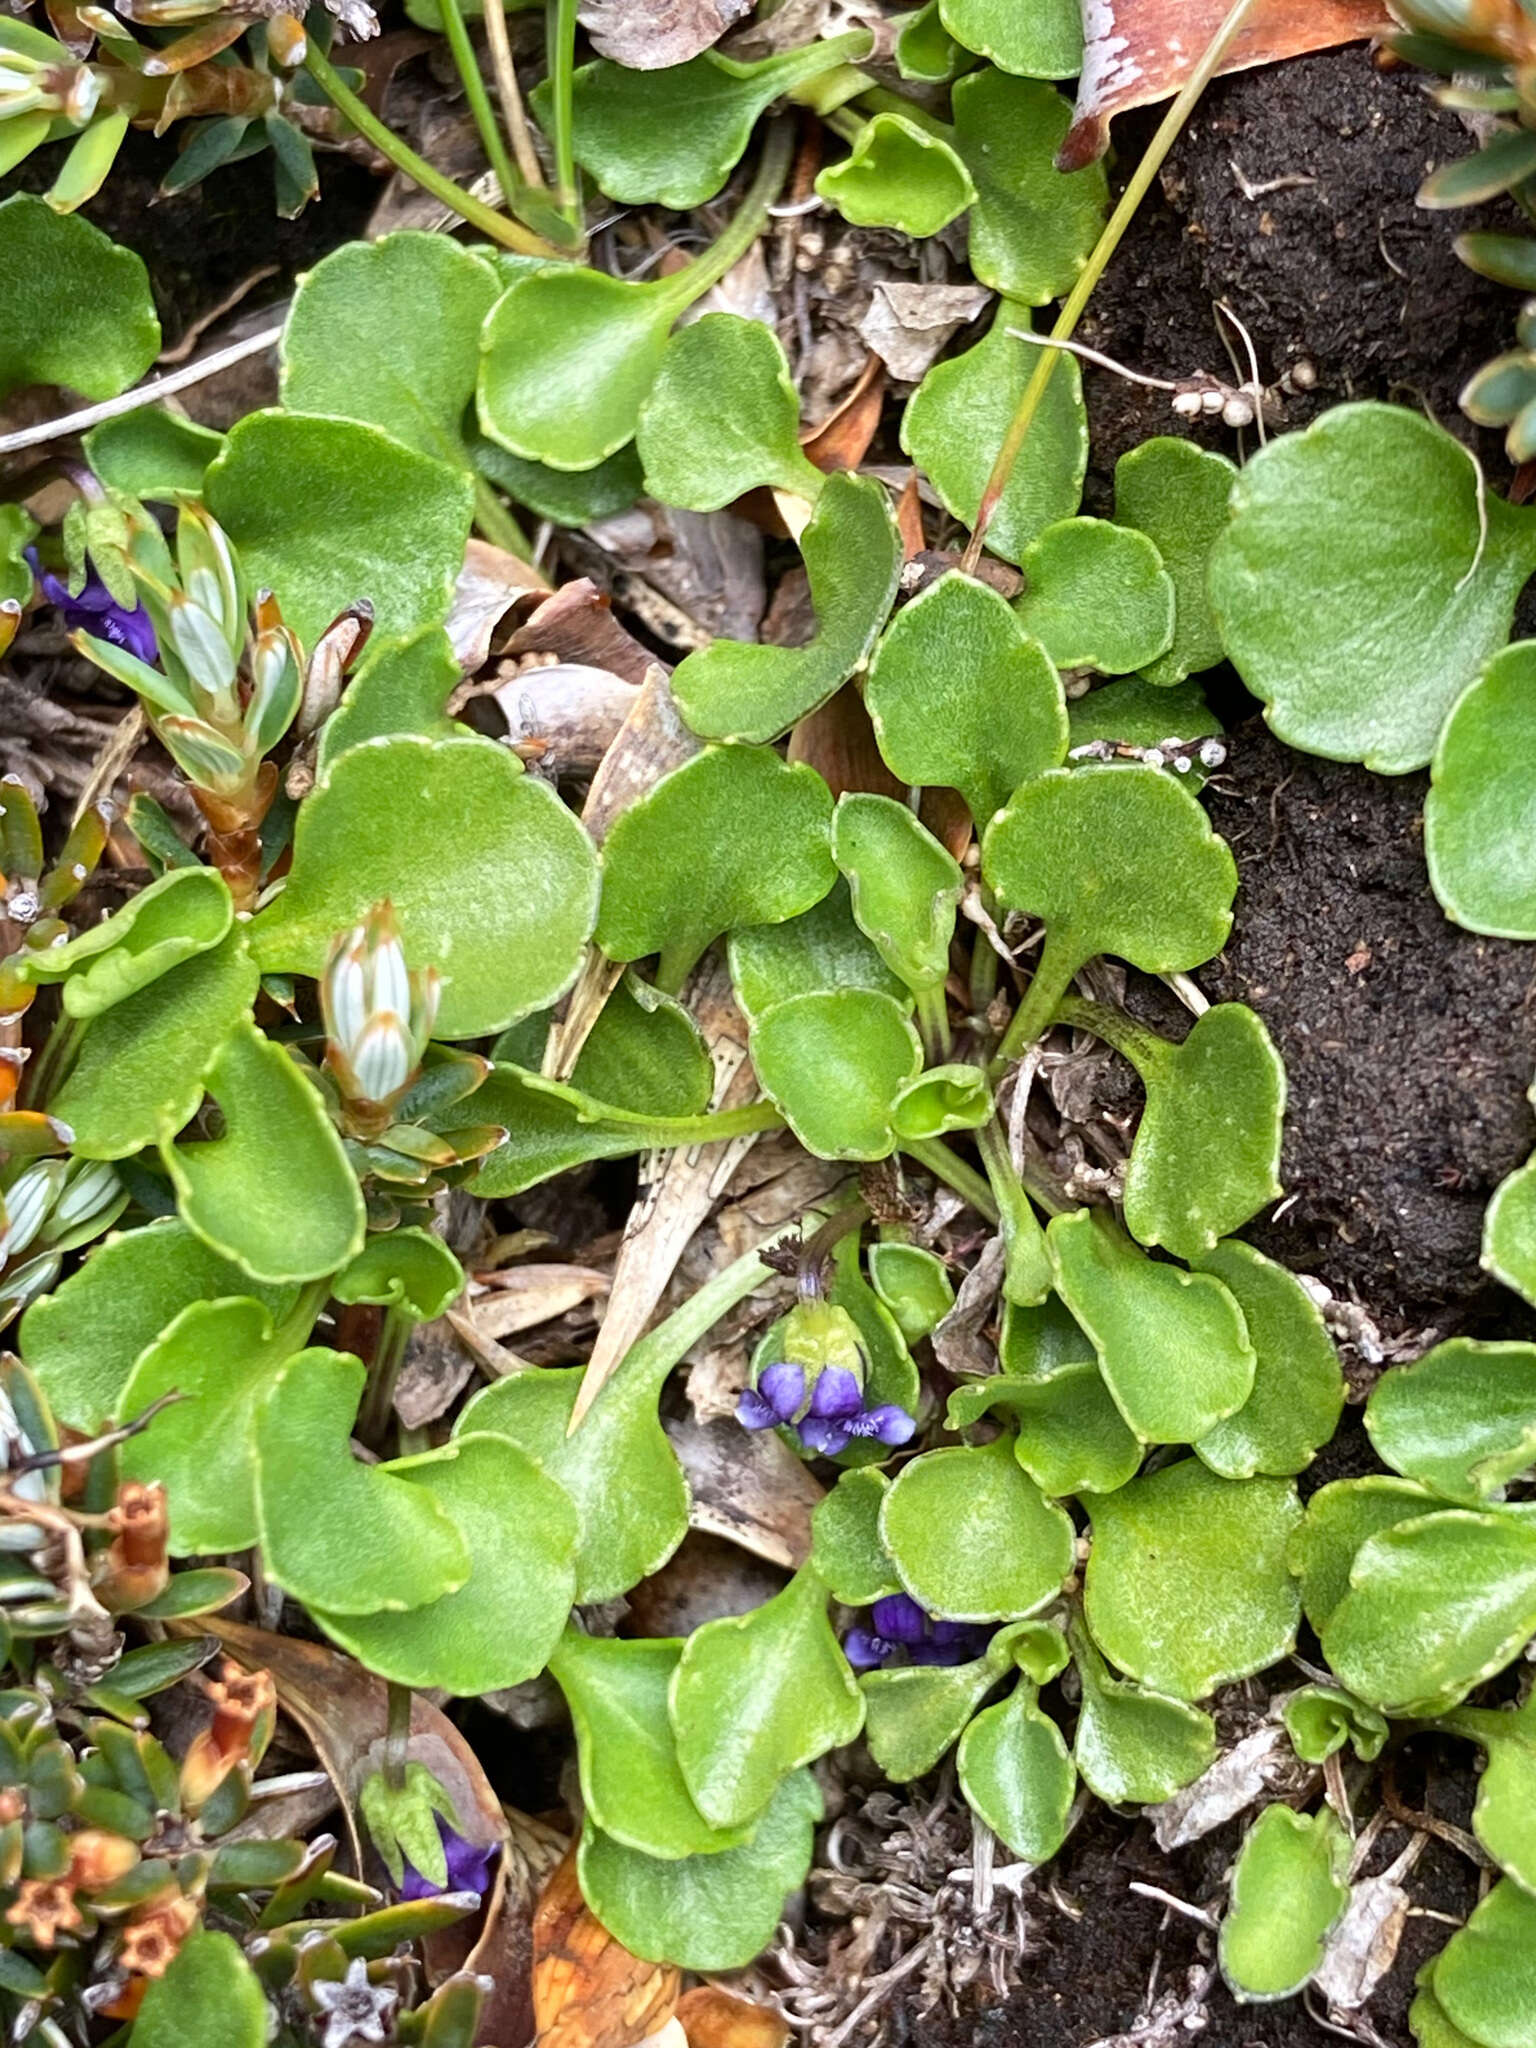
column 94, row 609
column 469, row 1867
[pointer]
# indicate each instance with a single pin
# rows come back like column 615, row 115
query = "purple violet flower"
column 902, row 1628
column 97, row 611
column 837, row 1395
column 836, row 1413
column 469, row 1867
column 775, row 1400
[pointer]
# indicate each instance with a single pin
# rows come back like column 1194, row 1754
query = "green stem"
column 293, row 1331
column 560, row 49
column 1143, row 1048
column 1027, row 1271
column 341, row 96
column 388, row 1357
column 1108, row 242
column 52, row 1066
column 712, row 1126
column 497, row 523
column 984, row 963
column 767, row 183
column 1053, row 977
column 936, row 1156
column 933, row 1023
column 397, row 1736
column 879, row 99
column 479, row 101
column 675, row 963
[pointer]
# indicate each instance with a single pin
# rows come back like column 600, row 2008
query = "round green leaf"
column 960, row 696
column 78, row 309
column 1290, row 1885
column 973, row 1538
column 81, row 1341
column 734, row 837
column 407, row 1269
column 570, row 497
column 209, row 1991
column 903, row 885
column 1134, row 1747
column 833, row 1064
column 221, row 1357
column 502, row 904
column 1509, row 1232
column 705, row 1913
column 1355, row 588
column 1320, row 1719
column 631, row 1783
column 1173, row 1346
column 1298, row 1385
column 646, row 1054
column 1187, row 1586
column 898, row 175
column 1480, row 816
column 1097, row 595
column 275, row 1193
column 1339, row 1520
column 746, row 690
column 1501, row 1817
column 956, row 419
column 1485, row 1976
column 1041, row 40
column 326, row 511
column 1177, row 495
column 152, row 453
column 1434, row 1606
column 846, row 1551
column 499, row 1628
column 757, row 1695
column 914, row 1714
column 722, row 417
column 1140, row 713
column 140, row 1069
column 1017, row 1776
column 820, row 950
column 388, row 333
column 382, row 1542
column 1032, row 227
column 1461, row 1419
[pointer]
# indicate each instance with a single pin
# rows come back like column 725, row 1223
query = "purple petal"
column 827, row 1438
column 899, row 1618
column 469, row 1867
column 865, row 1651
column 96, row 610
column 782, row 1386
column 753, row 1412
column 888, row 1424
column 837, row 1394
column 131, row 630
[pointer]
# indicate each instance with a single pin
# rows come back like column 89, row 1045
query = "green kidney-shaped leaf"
column 631, row 1782
column 1478, row 819
column 152, row 453
column 1096, row 595
column 1017, row 1775
column 1485, row 1976
column 1356, row 590
column 1173, row 1346
column 722, row 417
column 1501, row 1817
column 221, row 1357
column 1207, row 1151
column 898, row 175
column 570, row 497
column 972, row 1537
column 388, row 333
column 962, row 697
column 381, row 1544
column 1298, row 1384
column 1290, row 1885
column 707, row 1913
column 78, row 309
column 499, row 1628
column 744, row 690
column 956, row 419
column 209, row 1988
column 140, row 1069
column 400, row 686
column 1339, row 1520
column 1071, row 1436
column 81, row 1341
column 325, row 512
column 1134, row 1747
column 1032, row 227
column 757, row 1695
column 1043, row 39
column 903, row 885
column 502, row 904
column 646, row 1053
column 1114, row 860
column 820, row 950
column 186, row 912
column 846, row 1551
column 1177, row 495
column 834, row 1064
column 407, row 1269
column 1435, row 1605
column 1461, row 1420
column 736, row 836
column 275, row 1193
column 1187, row 1586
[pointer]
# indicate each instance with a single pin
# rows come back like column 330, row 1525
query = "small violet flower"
column 469, row 1867
column 836, row 1413
column 97, row 611
column 903, row 1630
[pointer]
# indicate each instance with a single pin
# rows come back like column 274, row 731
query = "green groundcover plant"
column 230, row 1107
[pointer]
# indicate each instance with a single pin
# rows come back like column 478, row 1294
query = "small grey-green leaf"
column 1017, row 1775
column 1096, row 595
column 1290, row 1885
column 904, row 886
column 722, row 417
column 834, row 1065
column 78, row 308
column 1177, row 494
column 1298, row 1384
column 972, row 1537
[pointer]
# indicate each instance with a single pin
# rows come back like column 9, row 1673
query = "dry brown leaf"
column 751, row 1490
column 838, row 741
column 712, row 2018
column 648, row 35
column 909, row 325
column 1140, row 51
column 909, row 519
column 588, row 1991
column 522, row 1297
column 490, row 583
column 943, row 811
column 570, row 711
column 577, row 625
column 842, row 441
